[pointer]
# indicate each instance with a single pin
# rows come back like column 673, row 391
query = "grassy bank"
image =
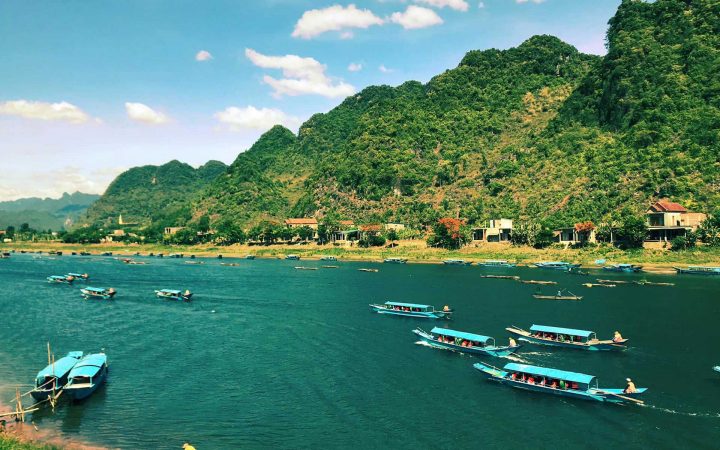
column 10, row 442
column 413, row 250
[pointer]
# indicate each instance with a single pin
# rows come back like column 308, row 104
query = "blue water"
column 269, row 356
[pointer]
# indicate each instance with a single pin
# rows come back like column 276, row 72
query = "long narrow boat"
column 55, row 376
column 249, row 256
column 698, row 270
column 556, row 265
column 328, row 258
column 78, row 276
column 172, row 294
column 558, row 296
column 395, row 260
column 368, row 270
column 460, row 341
column 64, row 279
column 557, row 382
column 495, row 263
column 93, row 292
column 87, row 375
column 292, row 257
column 411, row 310
column 623, row 268
column 457, row 262
column 566, row 337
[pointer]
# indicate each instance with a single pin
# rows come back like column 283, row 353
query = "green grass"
column 9, row 442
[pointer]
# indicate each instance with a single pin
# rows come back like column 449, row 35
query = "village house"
column 498, row 230
column 667, row 220
column 581, row 233
column 346, row 232
column 369, row 229
column 302, row 222
column 394, row 226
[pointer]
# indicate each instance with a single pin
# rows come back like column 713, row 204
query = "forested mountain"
column 538, row 132
column 45, row 213
column 154, row 193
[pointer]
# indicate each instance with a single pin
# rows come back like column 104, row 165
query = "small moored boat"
column 87, row 375
column 537, row 282
column 54, row 377
column 698, row 270
column 716, row 369
column 66, row 279
column 495, row 263
column 292, row 257
column 464, row 342
column 78, row 276
column 556, row 265
column 457, row 262
column 369, row 270
column 557, row 382
column 102, row 293
column 328, row 258
column 305, row 268
column 172, row 294
column 411, row 310
column 623, row 268
column 395, row 260
column 249, row 256
column 558, row 296
column 567, row 337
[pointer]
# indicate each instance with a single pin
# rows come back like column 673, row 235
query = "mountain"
column 45, row 213
column 154, row 193
column 537, row 132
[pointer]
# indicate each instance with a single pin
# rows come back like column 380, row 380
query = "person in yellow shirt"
column 187, row 446
column 630, row 389
column 617, row 337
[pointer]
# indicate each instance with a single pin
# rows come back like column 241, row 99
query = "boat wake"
column 683, row 413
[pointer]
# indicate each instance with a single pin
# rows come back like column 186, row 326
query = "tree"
column 633, row 230
column 10, row 232
column 392, row 235
column 449, row 233
column 229, row 233
column 544, row 238
column 286, row 234
column 203, row 224
column 306, row 233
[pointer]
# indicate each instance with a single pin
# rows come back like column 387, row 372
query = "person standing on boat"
column 630, row 388
column 617, row 337
column 512, row 342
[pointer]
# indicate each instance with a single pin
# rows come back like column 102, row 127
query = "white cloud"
column 334, row 18
column 251, row 118
column 143, row 113
column 416, row 17
column 52, row 183
column 302, row 76
column 481, row 5
column 458, row 5
column 63, row 111
column 384, row 69
column 355, row 67
column 203, row 55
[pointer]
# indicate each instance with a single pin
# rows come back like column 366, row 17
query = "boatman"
column 187, row 446
column 630, row 388
column 617, row 337
column 512, row 342
column 446, row 308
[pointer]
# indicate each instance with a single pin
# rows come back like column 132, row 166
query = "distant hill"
column 45, row 213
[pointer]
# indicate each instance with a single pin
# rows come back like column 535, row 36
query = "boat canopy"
column 76, row 275
column 408, row 305
column 94, row 289
column 461, row 335
column 557, row 330
column 89, row 365
column 170, row 291
column 58, row 277
column 61, row 366
column 550, row 373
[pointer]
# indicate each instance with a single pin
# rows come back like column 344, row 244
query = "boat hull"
column 562, row 267
column 600, row 346
column 499, row 352
column 84, row 391
column 716, row 369
column 419, row 315
column 697, row 272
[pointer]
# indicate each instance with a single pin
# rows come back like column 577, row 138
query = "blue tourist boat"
column 411, row 310
column 78, row 276
column 395, row 260
column 716, row 369
column 457, row 262
column 64, row 279
column 556, row 265
column 249, row 256
column 495, row 263
column 172, row 294
column 292, row 257
column 623, row 268
column 55, row 376
column 699, row 270
column 464, row 342
column 87, row 375
column 101, row 293
column 568, row 338
column 557, row 382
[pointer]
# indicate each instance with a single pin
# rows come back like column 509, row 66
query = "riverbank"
column 415, row 251
column 10, row 441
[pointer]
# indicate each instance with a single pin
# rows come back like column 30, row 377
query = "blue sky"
column 88, row 89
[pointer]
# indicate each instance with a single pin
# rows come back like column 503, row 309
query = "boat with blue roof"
column 627, row 268
column 173, row 294
column 78, row 276
column 496, row 263
column 101, row 293
column 559, row 382
column 60, row 279
column 411, row 310
column 698, row 270
column 54, row 377
column 395, row 260
column 463, row 342
column 568, row 338
column 457, row 262
column 87, row 375
column 556, row 265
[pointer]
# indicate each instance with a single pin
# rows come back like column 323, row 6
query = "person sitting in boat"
column 630, row 388
column 617, row 337
column 446, row 308
column 512, row 342
column 187, row 293
column 531, row 380
column 562, row 384
column 554, row 384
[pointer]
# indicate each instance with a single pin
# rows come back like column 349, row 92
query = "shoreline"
column 416, row 252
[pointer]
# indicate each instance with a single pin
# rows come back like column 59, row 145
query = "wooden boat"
column 87, row 375
column 614, row 281
column 556, row 265
column 229, row 264
column 716, row 369
column 249, row 256
column 175, row 255
column 330, row 267
column 623, row 268
column 305, row 268
column 457, row 262
column 171, row 294
column 395, row 260
column 65, row 279
column 698, row 270
column 411, row 310
column 557, row 382
column 78, row 276
column 495, row 263
column 368, row 270
column 460, row 341
column 197, row 263
column 84, row 253
column 53, row 378
column 328, row 258
column 106, row 254
column 652, row 283
column 558, row 296
column 292, row 257
column 566, row 337
column 102, row 293
column 537, row 282
column 501, row 277
column 599, row 285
